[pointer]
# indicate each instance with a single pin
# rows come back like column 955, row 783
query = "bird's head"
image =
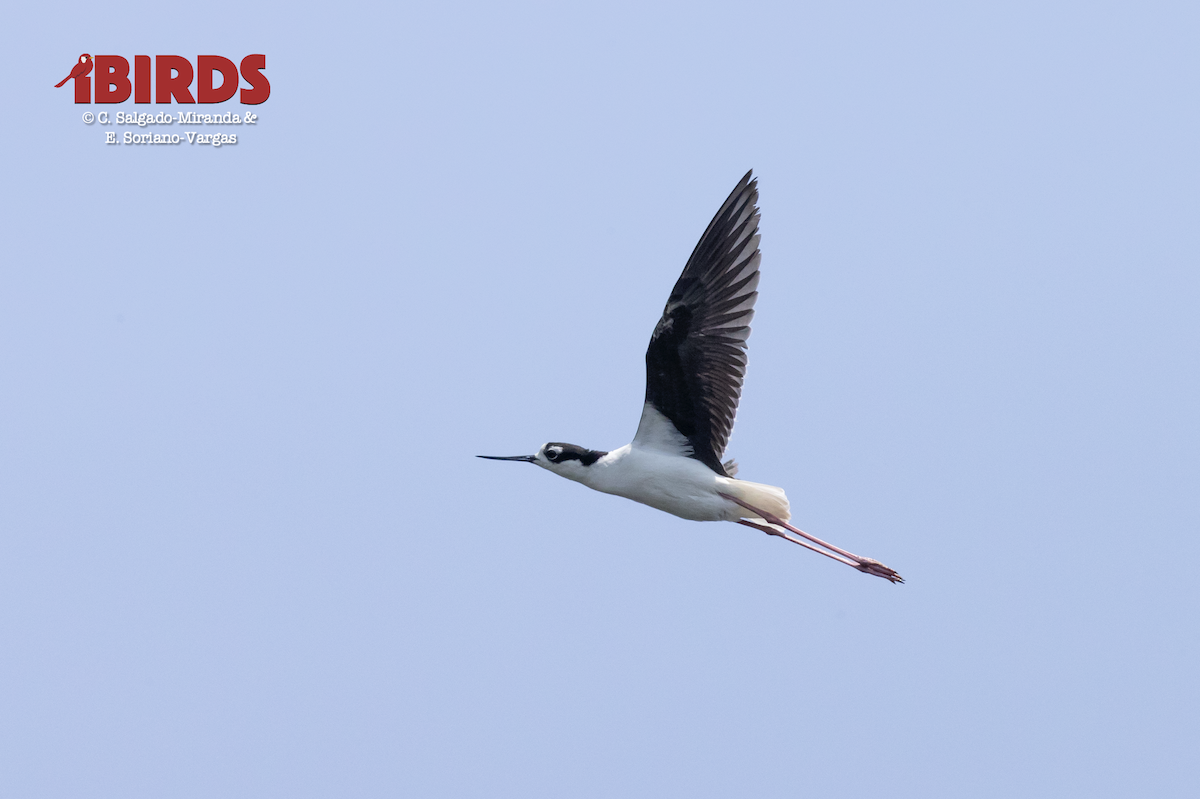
column 567, row 460
column 83, row 59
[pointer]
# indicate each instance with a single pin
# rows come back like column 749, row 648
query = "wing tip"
column 745, row 192
column 748, row 181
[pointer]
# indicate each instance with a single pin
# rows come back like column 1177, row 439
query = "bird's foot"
column 864, row 565
column 870, row 566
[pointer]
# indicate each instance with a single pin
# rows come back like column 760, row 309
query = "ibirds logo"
column 173, row 76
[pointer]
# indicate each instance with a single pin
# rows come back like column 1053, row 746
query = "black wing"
column 696, row 361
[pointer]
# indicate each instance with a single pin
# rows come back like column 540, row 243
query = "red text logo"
column 173, row 76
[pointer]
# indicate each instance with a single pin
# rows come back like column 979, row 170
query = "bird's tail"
column 767, row 498
column 61, row 82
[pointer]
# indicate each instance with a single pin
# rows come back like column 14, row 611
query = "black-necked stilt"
column 695, row 366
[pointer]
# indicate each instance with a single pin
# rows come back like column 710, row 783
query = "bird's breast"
column 680, row 486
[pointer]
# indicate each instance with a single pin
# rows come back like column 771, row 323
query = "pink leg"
column 865, row 565
column 801, row 542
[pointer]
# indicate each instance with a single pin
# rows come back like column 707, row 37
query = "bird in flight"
column 695, row 366
column 82, row 67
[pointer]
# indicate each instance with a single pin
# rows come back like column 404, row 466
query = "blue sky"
column 245, row 549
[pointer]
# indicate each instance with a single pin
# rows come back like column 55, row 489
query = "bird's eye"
column 82, row 59
column 553, row 453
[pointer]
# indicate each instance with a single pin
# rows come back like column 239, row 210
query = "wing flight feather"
column 696, row 361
